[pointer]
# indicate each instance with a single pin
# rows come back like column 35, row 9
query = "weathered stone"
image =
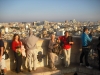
column 42, row 45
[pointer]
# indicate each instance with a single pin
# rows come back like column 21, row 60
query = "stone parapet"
column 42, row 46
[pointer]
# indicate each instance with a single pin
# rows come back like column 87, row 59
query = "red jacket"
column 66, row 45
column 15, row 44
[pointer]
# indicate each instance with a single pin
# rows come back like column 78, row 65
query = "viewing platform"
column 42, row 66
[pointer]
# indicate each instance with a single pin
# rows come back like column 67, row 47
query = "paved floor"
column 60, row 71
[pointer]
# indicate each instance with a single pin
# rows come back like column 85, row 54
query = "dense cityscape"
column 49, row 37
column 43, row 29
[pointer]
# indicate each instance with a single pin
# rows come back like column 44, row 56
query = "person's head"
column 16, row 37
column 66, row 33
column 85, row 30
column 52, row 36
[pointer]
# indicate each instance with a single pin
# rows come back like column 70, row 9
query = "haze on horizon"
column 50, row 10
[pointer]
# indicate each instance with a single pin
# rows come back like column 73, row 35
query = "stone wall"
column 42, row 45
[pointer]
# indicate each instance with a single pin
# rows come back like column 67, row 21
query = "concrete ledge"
column 42, row 45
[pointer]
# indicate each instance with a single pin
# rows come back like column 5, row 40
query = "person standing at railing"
column 2, row 57
column 85, row 47
column 51, row 52
column 66, row 42
column 98, row 48
column 16, row 47
column 31, row 51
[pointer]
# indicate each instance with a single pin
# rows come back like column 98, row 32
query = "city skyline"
column 50, row 10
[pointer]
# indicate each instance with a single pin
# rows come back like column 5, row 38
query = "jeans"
column 18, row 59
column 85, row 52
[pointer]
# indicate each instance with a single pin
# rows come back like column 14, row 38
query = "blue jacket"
column 85, row 39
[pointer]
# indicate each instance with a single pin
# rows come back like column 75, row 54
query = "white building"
column 6, row 29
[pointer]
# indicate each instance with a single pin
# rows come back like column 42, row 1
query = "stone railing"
column 42, row 47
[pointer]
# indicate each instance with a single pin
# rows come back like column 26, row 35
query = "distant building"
column 46, row 22
column 66, row 21
column 74, row 21
column 6, row 29
column 60, row 33
column 71, row 21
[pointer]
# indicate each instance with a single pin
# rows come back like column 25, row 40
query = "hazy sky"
column 50, row 10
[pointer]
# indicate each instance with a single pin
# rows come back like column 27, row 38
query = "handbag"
column 6, row 55
column 57, row 49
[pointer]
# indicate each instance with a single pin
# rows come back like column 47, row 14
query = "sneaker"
column 30, row 70
column 54, row 68
column 89, row 67
column 61, row 57
column 81, row 64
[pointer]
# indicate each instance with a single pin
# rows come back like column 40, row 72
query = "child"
column 23, row 50
column 23, row 56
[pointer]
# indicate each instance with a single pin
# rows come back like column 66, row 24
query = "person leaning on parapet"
column 31, row 52
column 66, row 42
column 16, row 47
column 51, row 52
column 2, row 57
column 85, row 47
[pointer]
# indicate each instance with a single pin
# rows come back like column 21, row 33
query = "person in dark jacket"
column 98, row 48
column 2, row 57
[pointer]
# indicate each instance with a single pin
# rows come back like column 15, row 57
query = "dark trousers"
column 85, row 52
column 99, row 58
column 18, row 59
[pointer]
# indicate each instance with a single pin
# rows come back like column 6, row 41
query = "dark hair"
column 65, row 32
column 15, row 36
column 84, row 29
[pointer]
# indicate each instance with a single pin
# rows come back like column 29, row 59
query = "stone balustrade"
column 42, row 45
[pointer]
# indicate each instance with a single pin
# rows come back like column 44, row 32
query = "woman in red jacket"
column 16, row 45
